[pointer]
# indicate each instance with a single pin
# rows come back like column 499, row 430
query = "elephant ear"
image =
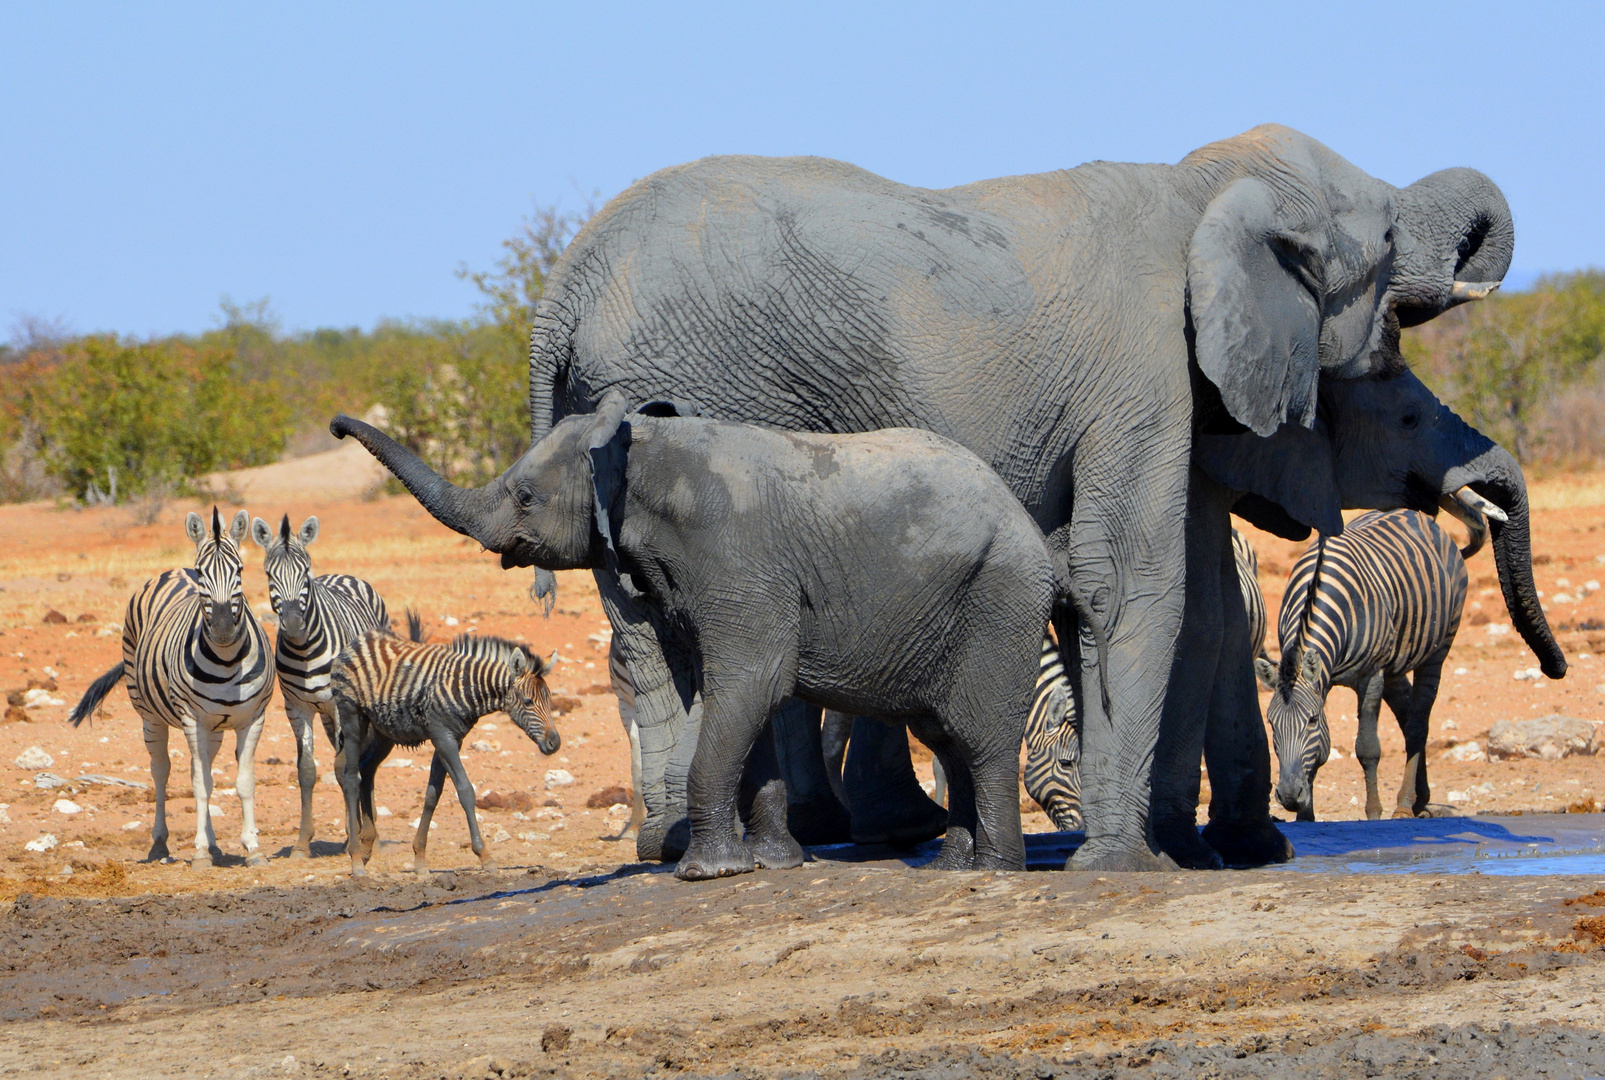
column 607, row 443
column 1288, row 477
column 1255, row 284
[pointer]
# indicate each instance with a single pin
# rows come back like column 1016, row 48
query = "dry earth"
column 128, row 969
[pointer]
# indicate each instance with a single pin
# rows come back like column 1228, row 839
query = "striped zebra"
column 1052, row 733
column 196, row 659
column 317, row 617
column 1387, row 597
column 390, row 692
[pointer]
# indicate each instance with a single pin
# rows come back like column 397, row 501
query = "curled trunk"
column 1461, row 238
column 1496, row 476
column 463, row 510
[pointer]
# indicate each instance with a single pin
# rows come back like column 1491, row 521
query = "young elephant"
column 889, row 574
column 388, row 691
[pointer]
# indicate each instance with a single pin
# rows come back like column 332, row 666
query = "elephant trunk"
column 464, row 510
column 1495, row 475
column 1461, row 240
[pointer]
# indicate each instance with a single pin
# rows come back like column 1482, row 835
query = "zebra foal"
column 1052, row 772
column 196, row 659
column 1386, row 602
column 317, row 617
column 388, row 691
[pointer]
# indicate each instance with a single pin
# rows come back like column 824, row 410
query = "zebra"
column 1364, row 609
column 317, row 617
column 196, row 659
column 388, row 691
column 1052, row 772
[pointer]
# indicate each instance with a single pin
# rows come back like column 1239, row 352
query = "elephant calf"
column 889, row 574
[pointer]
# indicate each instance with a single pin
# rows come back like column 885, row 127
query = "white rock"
column 1561, row 583
column 481, row 746
column 1460, row 671
column 67, row 806
column 489, row 727
column 499, row 835
column 1591, row 586
column 1497, row 629
column 5, row 818
column 531, row 836
column 450, row 620
column 34, row 758
column 618, row 810
column 558, row 854
column 111, row 629
column 1459, row 796
column 1563, row 598
column 559, row 778
column 397, row 763
column 130, row 826
column 1334, row 754
column 1467, row 751
column 214, row 810
column 413, row 824
column 383, row 811
column 47, row 842
column 1450, row 725
column 36, row 697
column 547, row 812
column 1548, row 737
column 1528, row 673
column 329, row 778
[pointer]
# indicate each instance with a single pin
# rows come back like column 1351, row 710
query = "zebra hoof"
column 300, row 853
column 488, row 865
column 255, row 859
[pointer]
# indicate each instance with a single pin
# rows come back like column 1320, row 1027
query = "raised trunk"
column 1461, row 238
column 465, row 510
column 1495, row 475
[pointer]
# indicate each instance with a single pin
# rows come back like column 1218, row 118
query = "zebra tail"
column 96, row 694
column 415, row 626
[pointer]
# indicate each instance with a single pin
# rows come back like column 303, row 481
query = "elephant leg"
column 624, row 692
column 814, row 813
column 1126, row 548
column 958, row 846
column 668, row 718
column 834, row 730
column 1236, row 751
column 761, row 804
column 1367, row 747
column 888, row 805
column 738, row 703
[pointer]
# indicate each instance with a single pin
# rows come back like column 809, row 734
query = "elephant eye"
column 1410, row 420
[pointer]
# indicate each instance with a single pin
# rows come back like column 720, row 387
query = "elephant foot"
column 662, row 841
column 772, row 847
column 822, row 820
column 722, row 855
column 1248, row 843
column 1180, row 840
column 1119, row 860
column 158, row 852
column 254, row 858
column 958, row 851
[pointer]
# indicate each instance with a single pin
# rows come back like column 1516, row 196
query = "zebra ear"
column 309, row 531
column 261, row 532
column 195, row 528
column 237, row 527
column 519, row 662
column 1310, row 668
column 1265, row 671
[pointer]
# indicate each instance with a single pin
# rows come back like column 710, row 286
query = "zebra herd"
column 195, row 658
column 1364, row 609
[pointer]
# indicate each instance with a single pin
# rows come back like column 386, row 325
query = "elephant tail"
column 551, row 352
column 1086, row 617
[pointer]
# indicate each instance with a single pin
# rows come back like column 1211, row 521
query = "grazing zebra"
column 1387, row 598
column 318, row 617
column 196, row 659
column 1052, row 733
column 388, row 692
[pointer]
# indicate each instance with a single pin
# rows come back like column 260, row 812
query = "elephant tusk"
column 1464, row 291
column 1472, row 501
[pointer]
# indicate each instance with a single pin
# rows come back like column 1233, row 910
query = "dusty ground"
column 895, row 972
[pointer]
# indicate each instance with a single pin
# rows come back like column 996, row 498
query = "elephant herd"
column 1132, row 352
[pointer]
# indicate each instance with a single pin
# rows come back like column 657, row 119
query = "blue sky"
column 344, row 160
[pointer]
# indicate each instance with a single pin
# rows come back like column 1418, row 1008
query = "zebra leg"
column 420, row 840
column 1414, row 792
column 446, row 747
column 348, row 769
column 245, row 740
column 377, row 749
column 306, row 772
column 161, row 767
column 1367, row 747
column 203, row 747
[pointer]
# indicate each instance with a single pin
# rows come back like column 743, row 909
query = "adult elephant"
column 1071, row 328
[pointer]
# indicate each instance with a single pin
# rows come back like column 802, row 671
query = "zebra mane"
column 498, row 649
column 1287, row 675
